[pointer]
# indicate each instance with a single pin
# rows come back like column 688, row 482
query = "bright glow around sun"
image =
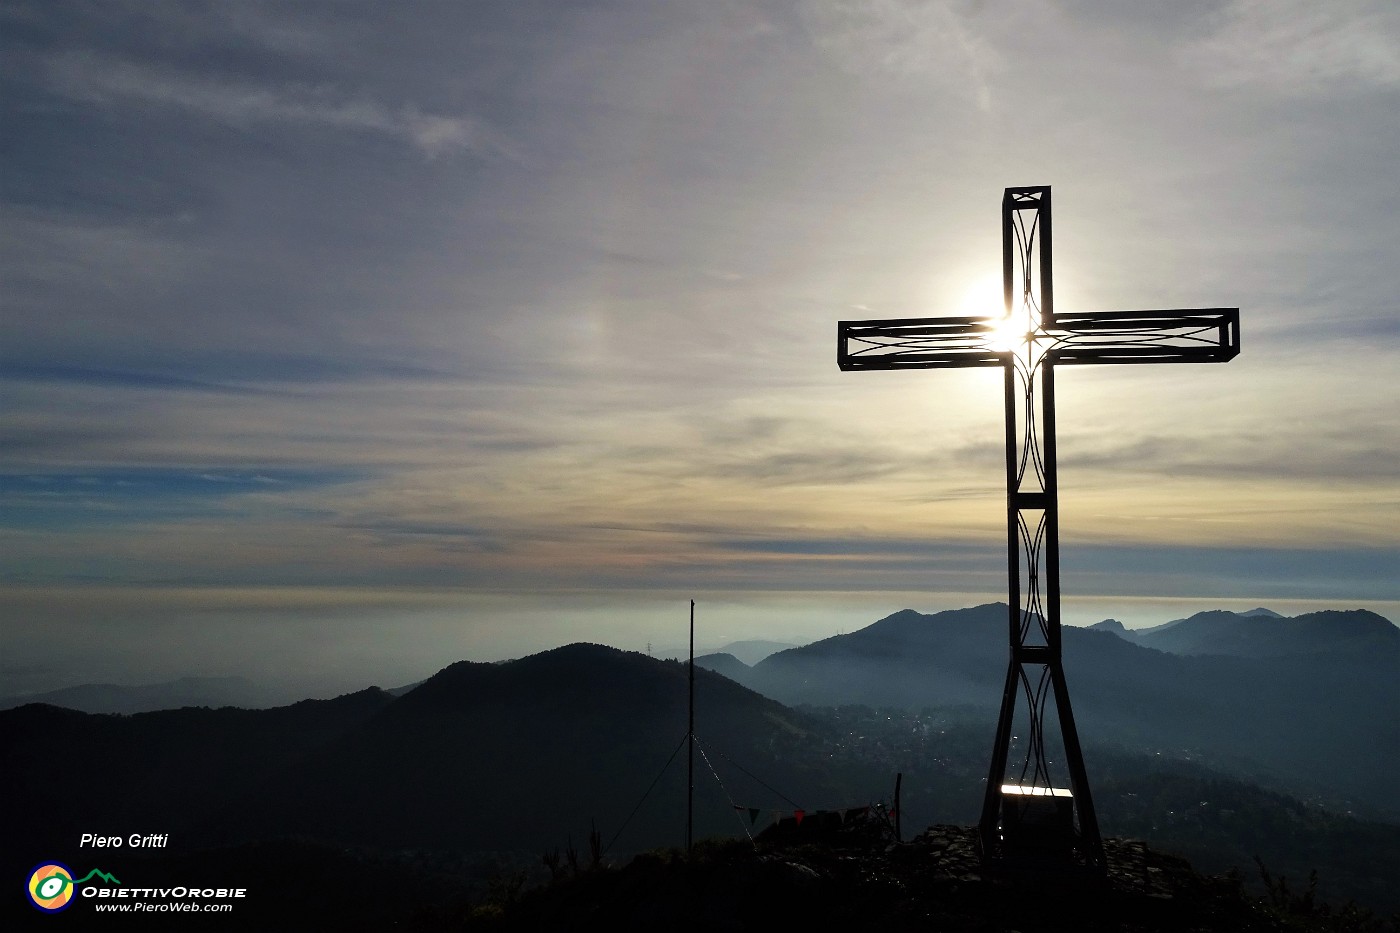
column 983, row 298
column 1006, row 334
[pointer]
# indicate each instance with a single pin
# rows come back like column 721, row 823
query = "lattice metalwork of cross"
column 1029, row 343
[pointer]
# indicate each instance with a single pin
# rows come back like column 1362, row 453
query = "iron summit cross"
column 1028, row 344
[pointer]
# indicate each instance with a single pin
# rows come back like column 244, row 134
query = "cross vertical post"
column 1032, row 521
column 1025, row 813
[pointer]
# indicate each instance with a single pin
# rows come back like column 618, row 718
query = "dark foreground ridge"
column 934, row 882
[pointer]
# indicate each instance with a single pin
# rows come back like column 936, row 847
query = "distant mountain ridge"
column 748, row 652
column 727, row 665
column 1317, row 712
column 1109, row 625
column 1261, row 633
column 170, row 694
column 752, row 651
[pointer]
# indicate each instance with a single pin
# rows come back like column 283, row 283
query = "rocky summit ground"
column 935, row 881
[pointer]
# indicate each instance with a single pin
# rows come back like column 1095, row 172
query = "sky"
column 344, row 340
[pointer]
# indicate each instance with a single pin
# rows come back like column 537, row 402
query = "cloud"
column 45, row 372
column 819, row 467
column 250, row 24
column 942, row 553
column 104, row 498
column 1339, row 454
column 611, row 362
column 1302, row 47
column 38, row 252
column 1296, row 570
column 442, row 535
column 105, row 80
column 907, row 38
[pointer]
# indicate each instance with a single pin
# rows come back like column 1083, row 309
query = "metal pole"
column 690, row 745
column 898, row 810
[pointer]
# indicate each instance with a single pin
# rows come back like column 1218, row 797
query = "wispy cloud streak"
column 99, row 79
column 914, row 39
column 1302, row 47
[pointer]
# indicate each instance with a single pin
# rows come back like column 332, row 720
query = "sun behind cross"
column 1021, row 333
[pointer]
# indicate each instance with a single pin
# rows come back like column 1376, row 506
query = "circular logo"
column 51, row 887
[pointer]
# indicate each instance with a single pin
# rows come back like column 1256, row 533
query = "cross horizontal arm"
column 1194, row 335
column 916, row 343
